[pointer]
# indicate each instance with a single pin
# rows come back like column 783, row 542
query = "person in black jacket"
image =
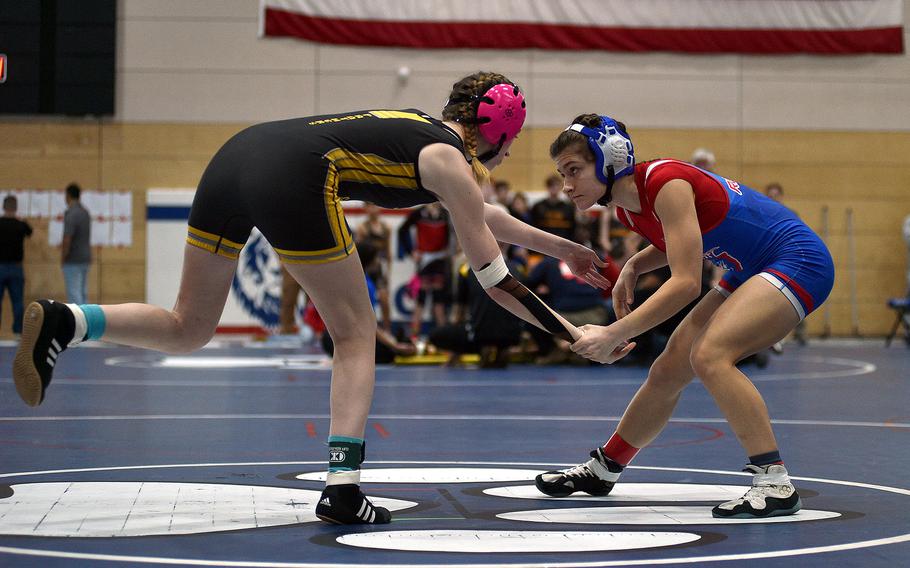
column 488, row 329
column 13, row 232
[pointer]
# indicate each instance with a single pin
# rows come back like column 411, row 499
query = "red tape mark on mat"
column 382, row 431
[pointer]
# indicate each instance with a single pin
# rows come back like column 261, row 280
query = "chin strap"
column 608, row 194
column 490, row 154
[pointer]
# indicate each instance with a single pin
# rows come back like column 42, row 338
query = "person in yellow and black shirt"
column 288, row 179
column 553, row 214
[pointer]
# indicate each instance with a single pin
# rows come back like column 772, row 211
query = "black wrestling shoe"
column 47, row 330
column 347, row 505
column 595, row 477
column 771, row 495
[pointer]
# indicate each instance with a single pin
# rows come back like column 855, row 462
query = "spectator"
column 775, row 191
column 572, row 297
column 488, row 329
column 388, row 346
column 519, row 207
column 704, row 159
column 431, row 255
column 377, row 234
column 552, row 214
column 76, row 254
column 502, row 193
column 13, row 232
column 906, row 232
column 290, row 291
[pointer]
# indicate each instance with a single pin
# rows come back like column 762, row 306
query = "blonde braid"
column 481, row 173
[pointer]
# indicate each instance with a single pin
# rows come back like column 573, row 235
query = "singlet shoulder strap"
column 659, row 163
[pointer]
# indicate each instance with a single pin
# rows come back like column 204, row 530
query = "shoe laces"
column 580, row 470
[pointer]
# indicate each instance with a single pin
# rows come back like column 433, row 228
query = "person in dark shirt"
column 76, row 248
column 579, row 303
column 13, row 232
column 488, row 329
column 552, row 214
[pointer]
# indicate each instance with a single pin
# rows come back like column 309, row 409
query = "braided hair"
column 462, row 108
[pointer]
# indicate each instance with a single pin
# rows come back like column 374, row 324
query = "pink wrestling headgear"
column 501, row 112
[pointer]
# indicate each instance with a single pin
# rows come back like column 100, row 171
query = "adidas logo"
column 53, row 351
column 325, row 501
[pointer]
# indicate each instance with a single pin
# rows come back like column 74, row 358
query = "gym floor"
column 215, row 459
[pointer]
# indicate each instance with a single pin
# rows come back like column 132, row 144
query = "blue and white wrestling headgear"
column 613, row 152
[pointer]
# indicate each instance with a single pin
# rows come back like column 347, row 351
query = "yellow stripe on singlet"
column 371, row 168
column 213, row 243
column 347, row 166
column 399, row 114
column 214, row 237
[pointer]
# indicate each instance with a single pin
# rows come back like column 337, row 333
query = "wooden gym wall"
column 867, row 172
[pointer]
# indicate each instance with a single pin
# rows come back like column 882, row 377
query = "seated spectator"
column 571, row 297
column 388, row 346
column 502, row 193
column 488, row 328
column 376, row 232
column 519, row 207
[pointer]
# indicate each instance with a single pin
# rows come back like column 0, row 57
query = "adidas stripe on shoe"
column 347, row 505
column 47, row 330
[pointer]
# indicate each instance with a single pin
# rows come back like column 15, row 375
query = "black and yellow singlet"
column 288, row 179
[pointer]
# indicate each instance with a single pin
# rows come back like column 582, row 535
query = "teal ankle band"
column 94, row 319
column 347, row 439
column 345, row 453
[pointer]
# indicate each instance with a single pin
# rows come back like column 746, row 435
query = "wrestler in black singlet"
column 288, row 178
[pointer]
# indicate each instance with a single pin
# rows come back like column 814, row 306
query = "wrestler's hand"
column 624, row 292
column 584, row 263
column 600, row 343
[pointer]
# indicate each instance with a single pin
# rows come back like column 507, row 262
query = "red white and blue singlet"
column 743, row 231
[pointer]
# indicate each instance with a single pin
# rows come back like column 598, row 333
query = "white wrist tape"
column 493, row 273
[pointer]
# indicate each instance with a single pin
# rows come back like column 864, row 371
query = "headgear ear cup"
column 612, row 148
column 501, row 113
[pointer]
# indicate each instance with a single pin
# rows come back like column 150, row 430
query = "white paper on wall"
column 93, row 202
column 55, row 232
column 57, row 204
column 39, row 205
column 101, row 233
column 121, row 233
column 122, row 205
column 98, row 205
column 122, row 219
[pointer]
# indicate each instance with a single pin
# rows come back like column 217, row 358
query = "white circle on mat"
column 435, row 475
column 124, row 509
column 623, row 492
column 514, row 541
column 657, row 515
